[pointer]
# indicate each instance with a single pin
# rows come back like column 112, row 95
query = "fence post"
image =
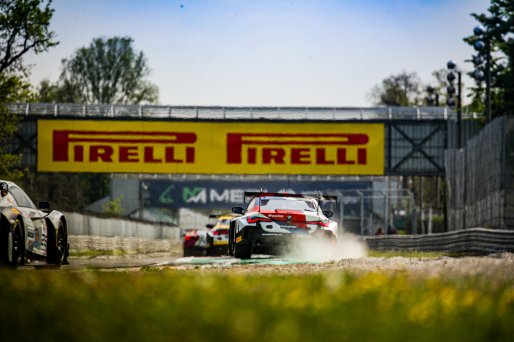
column 341, row 210
column 362, row 211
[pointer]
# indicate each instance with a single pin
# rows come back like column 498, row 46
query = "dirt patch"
column 500, row 266
column 137, row 253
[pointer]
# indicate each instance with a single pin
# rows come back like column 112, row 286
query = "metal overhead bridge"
column 232, row 113
column 415, row 137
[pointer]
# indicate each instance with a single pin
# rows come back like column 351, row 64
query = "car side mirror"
column 238, row 210
column 44, row 206
column 328, row 213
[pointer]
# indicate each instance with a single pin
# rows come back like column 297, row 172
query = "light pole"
column 452, row 92
column 433, row 97
column 483, row 47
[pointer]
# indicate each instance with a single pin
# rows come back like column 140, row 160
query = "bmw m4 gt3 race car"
column 272, row 220
column 211, row 241
column 28, row 232
column 217, row 236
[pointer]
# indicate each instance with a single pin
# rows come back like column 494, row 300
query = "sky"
column 327, row 53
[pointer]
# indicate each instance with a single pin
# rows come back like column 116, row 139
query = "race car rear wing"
column 319, row 196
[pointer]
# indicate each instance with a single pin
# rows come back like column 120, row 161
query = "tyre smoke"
column 319, row 249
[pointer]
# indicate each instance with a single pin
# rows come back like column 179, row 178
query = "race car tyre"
column 210, row 248
column 17, row 257
column 56, row 245
column 230, row 241
column 243, row 251
column 62, row 244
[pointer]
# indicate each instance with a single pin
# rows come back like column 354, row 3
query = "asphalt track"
column 499, row 265
column 163, row 260
column 227, row 261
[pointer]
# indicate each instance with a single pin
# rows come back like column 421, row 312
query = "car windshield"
column 277, row 203
column 21, row 197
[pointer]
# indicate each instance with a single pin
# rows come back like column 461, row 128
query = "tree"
column 55, row 93
column 12, row 89
column 498, row 25
column 402, row 89
column 24, row 27
column 438, row 88
column 108, row 71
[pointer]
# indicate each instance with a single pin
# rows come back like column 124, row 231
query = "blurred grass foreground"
column 174, row 305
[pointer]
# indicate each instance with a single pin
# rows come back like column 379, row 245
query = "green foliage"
column 24, row 27
column 55, row 93
column 438, row 224
column 65, row 191
column 220, row 306
column 439, row 86
column 499, row 28
column 113, row 208
column 12, row 88
column 403, row 89
column 109, row 70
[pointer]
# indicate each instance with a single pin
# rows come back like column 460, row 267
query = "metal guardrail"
column 474, row 240
column 234, row 113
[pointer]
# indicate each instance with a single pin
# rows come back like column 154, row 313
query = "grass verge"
column 94, row 253
column 164, row 305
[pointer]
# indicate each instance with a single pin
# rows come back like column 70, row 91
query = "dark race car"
column 272, row 220
column 28, row 232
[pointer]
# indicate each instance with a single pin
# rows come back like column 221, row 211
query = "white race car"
column 28, row 232
column 273, row 220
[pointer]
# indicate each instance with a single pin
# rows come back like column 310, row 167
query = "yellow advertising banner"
column 211, row 147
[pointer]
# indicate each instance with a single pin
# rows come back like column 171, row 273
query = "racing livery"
column 211, row 241
column 194, row 242
column 272, row 220
column 28, row 232
column 217, row 236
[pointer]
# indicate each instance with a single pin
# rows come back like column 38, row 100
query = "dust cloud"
column 320, row 249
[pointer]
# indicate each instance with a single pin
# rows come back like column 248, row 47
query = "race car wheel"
column 243, row 251
column 231, row 241
column 17, row 251
column 56, row 245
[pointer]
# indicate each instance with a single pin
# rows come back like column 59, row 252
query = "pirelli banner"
column 211, row 147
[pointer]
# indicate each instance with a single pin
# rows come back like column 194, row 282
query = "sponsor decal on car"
column 37, row 238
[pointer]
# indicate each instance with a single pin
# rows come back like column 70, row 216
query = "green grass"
column 175, row 305
column 94, row 253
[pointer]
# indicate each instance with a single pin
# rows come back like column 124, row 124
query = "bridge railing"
column 234, row 113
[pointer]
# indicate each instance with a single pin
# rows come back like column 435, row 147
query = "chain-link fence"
column 375, row 212
column 480, row 179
